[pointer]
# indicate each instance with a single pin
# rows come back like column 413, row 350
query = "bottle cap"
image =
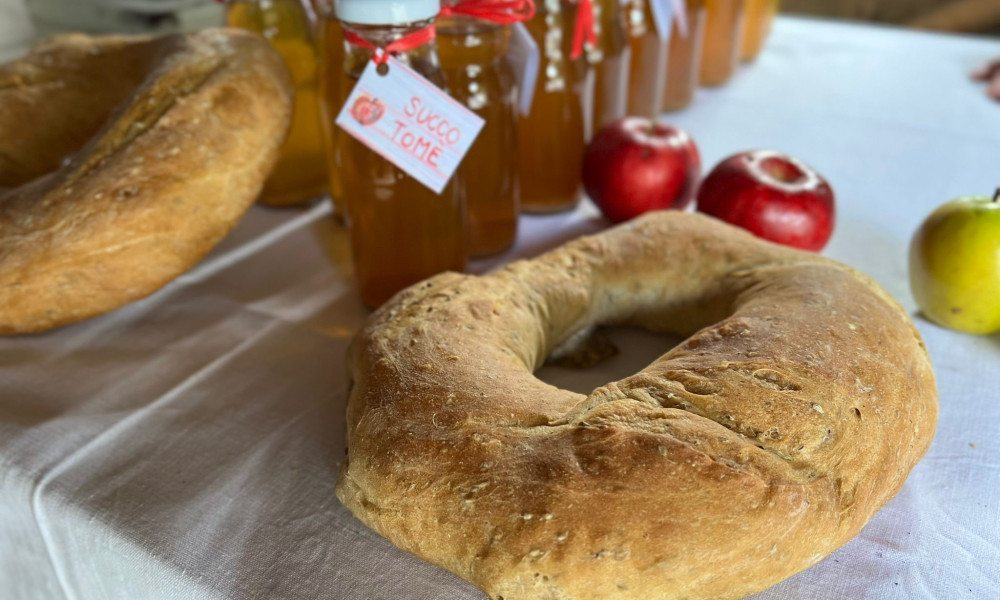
column 386, row 12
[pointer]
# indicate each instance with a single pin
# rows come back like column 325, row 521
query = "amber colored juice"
column 760, row 16
column 331, row 67
column 300, row 173
column 720, row 52
column 683, row 58
column 610, row 62
column 552, row 137
column 648, row 73
column 472, row 55
column 401, row 232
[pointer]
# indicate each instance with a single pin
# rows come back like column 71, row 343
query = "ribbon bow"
column 504, row 12
column 407, row 42
column 583, row 29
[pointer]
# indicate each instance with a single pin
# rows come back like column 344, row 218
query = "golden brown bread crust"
column 749, row 452
column 171, row 140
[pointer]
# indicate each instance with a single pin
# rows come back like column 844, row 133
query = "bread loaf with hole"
column 794, row 410
column 126, row 160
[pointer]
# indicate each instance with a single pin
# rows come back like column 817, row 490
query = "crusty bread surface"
column 126, row 159
column 794, row 411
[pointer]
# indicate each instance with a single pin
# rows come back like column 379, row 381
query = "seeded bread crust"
column 793, row 412
column 128, row 159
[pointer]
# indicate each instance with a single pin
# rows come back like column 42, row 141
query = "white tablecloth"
column 187, row 446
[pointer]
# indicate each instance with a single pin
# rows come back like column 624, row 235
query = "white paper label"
column 524, row 58
column 662, row 17
column 410, row 122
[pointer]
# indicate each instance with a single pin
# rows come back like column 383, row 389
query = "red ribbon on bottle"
column 503, row 12
column 407, row 42
column 583, row 29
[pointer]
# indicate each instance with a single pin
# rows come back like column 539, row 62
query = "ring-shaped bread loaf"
column 767, row 439
column 127, row 159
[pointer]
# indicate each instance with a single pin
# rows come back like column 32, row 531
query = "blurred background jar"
column 553, row 134
column 401, row 231
column 721, row 49
column 472, row 56
column 684, row 58
column 330, row 42
column 300, row 173
column 756, row 27
column 648, row 72
column 610, row 59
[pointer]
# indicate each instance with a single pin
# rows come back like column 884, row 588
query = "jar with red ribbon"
column 553, row 134
column 401, row 231
column 473, row 38
column 300, row 173
column 609, row 56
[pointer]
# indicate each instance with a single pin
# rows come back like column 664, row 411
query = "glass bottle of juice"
column 300, row 173
column 400, row 230
column 472, row 57
column 331, row 66
column 721, row 50
column 649, row 60
column 684, row 58
column 760, row 15
column 610, row 59
column 552, row 136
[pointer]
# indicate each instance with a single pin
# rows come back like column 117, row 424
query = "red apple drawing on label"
column 367, row 110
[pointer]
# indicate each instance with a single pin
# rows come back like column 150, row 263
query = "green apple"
column 955, row 265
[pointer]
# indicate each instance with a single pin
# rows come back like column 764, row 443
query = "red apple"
column 636, row 165
column 772, row 195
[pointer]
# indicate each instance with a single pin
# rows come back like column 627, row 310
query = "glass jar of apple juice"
column 721, row 49
column 683, row 60
column 756, row 27
column 330, row 40
column 610, row 59
column 552, row 136
column 648, row 73
column 401, row 231
column 300, row 173
column 472, row 54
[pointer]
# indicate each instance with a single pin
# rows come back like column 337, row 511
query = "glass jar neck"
column 383, row 35
column 423, row 58
column 475, row 40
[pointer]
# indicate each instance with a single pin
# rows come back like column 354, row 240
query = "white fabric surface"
column 186, row 447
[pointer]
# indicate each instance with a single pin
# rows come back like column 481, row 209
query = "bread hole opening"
column 601, row 355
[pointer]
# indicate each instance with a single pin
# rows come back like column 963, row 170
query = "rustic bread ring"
column 748, row 453
column 169, row 141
